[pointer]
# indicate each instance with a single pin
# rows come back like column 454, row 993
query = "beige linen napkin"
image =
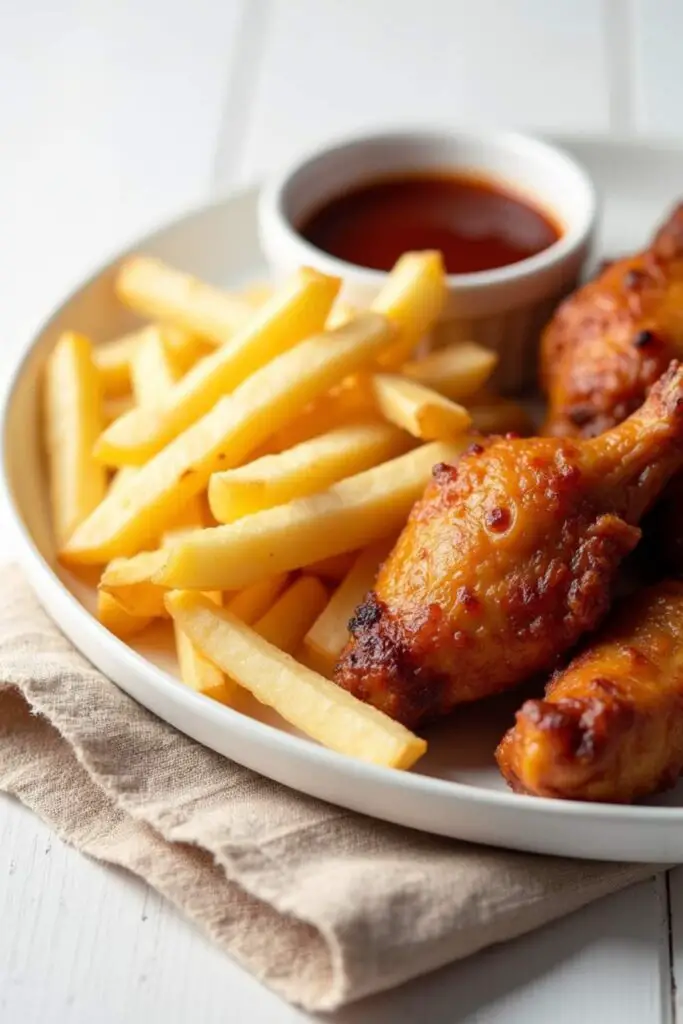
column 321, row 904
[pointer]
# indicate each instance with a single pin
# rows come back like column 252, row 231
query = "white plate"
column 456, row 790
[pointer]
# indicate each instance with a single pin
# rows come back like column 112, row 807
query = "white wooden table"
column 114, row 116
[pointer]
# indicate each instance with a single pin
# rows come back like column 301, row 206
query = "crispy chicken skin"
column 507, row 560
column 612, row 339
column 611, row 725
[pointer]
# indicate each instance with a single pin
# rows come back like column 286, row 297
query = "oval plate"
column 456, row 790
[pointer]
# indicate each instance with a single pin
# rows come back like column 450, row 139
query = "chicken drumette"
column 507, row 560
column 612, row 339
column 611, row 725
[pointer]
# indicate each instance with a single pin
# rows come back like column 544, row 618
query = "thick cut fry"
column 116, row 619
column 153, row 372
column 456, row 371
column 160, row 292
column 295, row 312
column 286, row 623
column 327, row 636
column 419, row 410
column 139, row 511
column 73, row 419
column 129, row 582
column 254, row 601
column 412, row 298
column 305, row 469
column 313, row 704
column 113, row 358
column 197, row 671
column 351, row 514
column 333, row 568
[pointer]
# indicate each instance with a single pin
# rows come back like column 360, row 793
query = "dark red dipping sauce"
column 476, row 223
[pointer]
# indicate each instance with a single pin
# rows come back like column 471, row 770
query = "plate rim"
column 301, row 749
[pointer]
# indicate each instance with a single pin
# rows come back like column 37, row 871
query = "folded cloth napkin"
column 323, row 905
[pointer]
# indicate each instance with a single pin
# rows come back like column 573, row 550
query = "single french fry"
column 112, row 359
column 419, row 410
column 351, row 514
column 333, row 568
column 129, row 581
column 73, row 419
column 199, row 673
column 494, row 415
column 456, row 371
column 296, row 311
column 311, row 703
column 309, row 467
column 254, row 601
column 327, row 636
column 286, row 623
column 413, row 298
column 140, row 510
column 159, row 292
column 116, row 619
column 114, row 407
column 153, row 372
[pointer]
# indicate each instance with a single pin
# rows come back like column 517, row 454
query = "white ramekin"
column 504, row 308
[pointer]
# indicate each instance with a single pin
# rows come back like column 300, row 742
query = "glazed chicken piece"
column 507, row 560
column 612, row 339
column 611, row 725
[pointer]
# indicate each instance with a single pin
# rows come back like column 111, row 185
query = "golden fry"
column 116, row 619
column 73, row 419
column 422, row 412
column 456, row 371
column 413, row 299
column 286, row 623
column 153, row 372
column 311, row 703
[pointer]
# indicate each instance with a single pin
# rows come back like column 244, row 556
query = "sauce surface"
column 476, row 223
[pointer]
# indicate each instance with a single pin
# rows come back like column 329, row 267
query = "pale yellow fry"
column 138, row 512
column 199, row 673
column 73, row 419
column 422, row 412
column 159, row 292
column 296, row 311
column 113, row 407
column 129, row 581
column 254, row 601
column 286, row 623
column 500, row 416
column 351, row 514
column 116, row 619
column 333, row 568
column 309, row 467
column 314, row 705
column 413, row 299
column 456, row 371
column 327, row 636
column 153, row 372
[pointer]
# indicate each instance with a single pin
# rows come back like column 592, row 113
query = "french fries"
column 456, row 371
column 254, row 601
column 155, row 290
column 333, row 568
column 116, row 619
column 327, row 636
column 419, row 410
column 114, row 407
column 73, row 419
column 138, row 511
column 349, row 515
column 304, row 469
column 412, row 298
column 286, row 623
column 295, row 312
column 129, row 582
column 112, row 359
column 153, row 373
column 197, row 671
column 313, row 704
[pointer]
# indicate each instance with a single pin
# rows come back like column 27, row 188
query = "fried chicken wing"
column 611, row 725
column 507, row 560
column 612, row 339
